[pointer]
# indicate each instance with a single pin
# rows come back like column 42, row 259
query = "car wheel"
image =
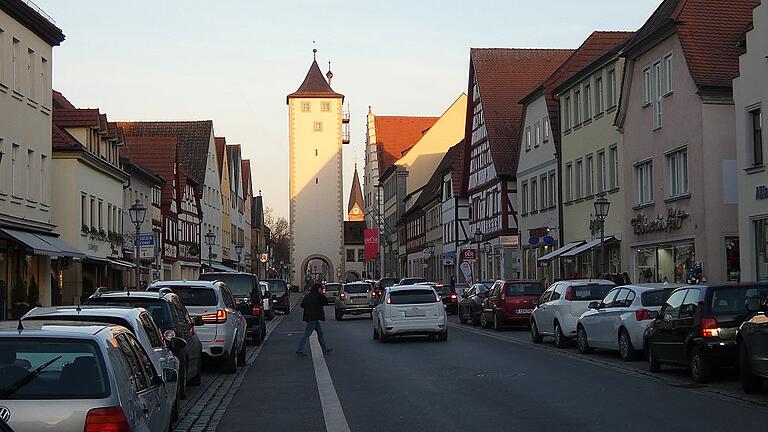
column 242, row 354
column 536, row 337
column 198, row 378
column 339, row 316
column 383, row 338
column 474, row 318
column 174, row 414
column 230, row 363
column 750, row 382
column 496, row 324
column 581, row 340
column 701, row 370
column 443, row 336
column 483, row 321
column 653, row 362
column 375, row 334
column 462, row 318
column 626, row 349
column 560, row 340
column 182, row 383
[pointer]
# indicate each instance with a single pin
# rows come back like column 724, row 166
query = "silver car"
column 618, row 321
column 224, row 334
column 354, row 299
column 331, row 291
column 67, row 376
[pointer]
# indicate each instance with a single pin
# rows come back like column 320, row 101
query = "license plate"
column 415, row 312
column 360, row 300
column 524, row 311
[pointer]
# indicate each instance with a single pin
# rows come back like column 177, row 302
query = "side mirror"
column 170, row 375
column 197, row 320
column 177, row 344
column 753, row 304
column 593, row 305
column 536, row 302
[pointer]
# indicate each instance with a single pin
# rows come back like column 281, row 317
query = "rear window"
column 732, row 300
column 192, row 296
column 655, row 297
column 386, row 283
column 47, row 368
column 332, row 287
column 443, row 290
column 277, row 286
column 159, row 309
column 523, row 289
column 412, row 296
column 411, row 281
column 240, row 284
column 590, row 292
column 357, row 288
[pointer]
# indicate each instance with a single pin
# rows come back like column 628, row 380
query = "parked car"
column 448, row 297
column 561, row 305
column 471, row 303
column 266, row 295
column 411, row 281
column 248, row 299
column 410, row 310
column 169, row 313
column 697, row 328
column 510, row 302
column 752, row 338
column 281, row 297
column 87, row 376
column 331, row 292
column 382, row 284
column 354, row 299
column 224, row 333
column 619, row 321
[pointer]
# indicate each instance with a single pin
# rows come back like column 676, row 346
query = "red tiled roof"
column 315, row 85
column 246, row 178
column 221, row 144
column 59, row 101
column 395, row 134
column 709, row 32
column 154, row 153
column 62, row 140
column 193, row 138
column 504, row 76
column 77, row 117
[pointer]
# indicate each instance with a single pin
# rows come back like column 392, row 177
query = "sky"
column 234, row 61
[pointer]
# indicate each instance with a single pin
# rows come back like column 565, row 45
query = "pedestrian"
column 313, row 303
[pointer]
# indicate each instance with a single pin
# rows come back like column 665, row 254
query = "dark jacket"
column 313, row 303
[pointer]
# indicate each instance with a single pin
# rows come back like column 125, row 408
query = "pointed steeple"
column 356, row 206
column 315, row 84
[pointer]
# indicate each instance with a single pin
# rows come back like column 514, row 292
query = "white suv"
column 224, row 333
column 410, row 310
column 561, row 305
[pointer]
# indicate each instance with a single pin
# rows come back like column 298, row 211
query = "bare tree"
column 280, row 235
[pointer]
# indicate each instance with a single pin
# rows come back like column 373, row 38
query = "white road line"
column 329, row 399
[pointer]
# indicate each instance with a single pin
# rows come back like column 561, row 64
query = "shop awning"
column 587, row 246
column 121, row 263
column 90, row 259
column 42, row 244
column 558, row 252
column 221, row 267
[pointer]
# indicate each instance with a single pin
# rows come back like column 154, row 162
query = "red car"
column 510, row 302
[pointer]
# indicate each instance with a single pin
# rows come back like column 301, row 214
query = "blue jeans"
column 312, row 326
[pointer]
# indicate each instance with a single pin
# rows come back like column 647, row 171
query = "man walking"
column 313, row 303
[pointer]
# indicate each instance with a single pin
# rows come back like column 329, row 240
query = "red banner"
column 371, row 236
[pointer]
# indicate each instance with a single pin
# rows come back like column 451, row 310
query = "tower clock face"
column 355, row 210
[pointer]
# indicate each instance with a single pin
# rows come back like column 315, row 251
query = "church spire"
column 356, row 206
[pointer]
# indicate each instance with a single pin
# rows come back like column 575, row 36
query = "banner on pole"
column 371, row 236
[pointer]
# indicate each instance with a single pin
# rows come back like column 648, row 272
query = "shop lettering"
column 761, row 192
column 674, row 221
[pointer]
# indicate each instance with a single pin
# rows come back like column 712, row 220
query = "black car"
column 471, row 303
column 697, row 328
column 449, row 298
column 752, row 338
column 245, row 288
column 169, row 313
column 281, row 297
column 411, row 281
column 382, row 284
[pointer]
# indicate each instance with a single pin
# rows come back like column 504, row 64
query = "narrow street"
column 479, row 378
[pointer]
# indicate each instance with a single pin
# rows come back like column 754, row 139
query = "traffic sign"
column 263, row 258
column 145, row 240
column 338, row 271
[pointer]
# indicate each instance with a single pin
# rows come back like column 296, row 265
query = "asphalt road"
column 478, row 380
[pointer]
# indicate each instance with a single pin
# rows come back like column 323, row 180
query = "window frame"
column 678, row 183
column 756, row 134
column 643, row 172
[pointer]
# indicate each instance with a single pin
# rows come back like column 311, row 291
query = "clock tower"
column 356, row 206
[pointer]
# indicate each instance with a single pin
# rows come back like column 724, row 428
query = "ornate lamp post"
column 602, row 205
column 210, row 240
column 239, row 251
column 137, row 213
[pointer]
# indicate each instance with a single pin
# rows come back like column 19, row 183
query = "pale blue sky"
column 234, row 61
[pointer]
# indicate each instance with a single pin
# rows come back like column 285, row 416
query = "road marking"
column 329, row 399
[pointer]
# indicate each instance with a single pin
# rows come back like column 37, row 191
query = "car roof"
column 55, row 329
column 131, row 294
column 584, row 282
column 86, row 310
column 229, row 273
column 642, row 287
column 186, row 283
column 728, row 285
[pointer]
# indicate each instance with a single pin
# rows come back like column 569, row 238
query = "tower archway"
column 317, row 268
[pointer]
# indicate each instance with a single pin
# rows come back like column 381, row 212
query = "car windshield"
column 521, row 289
column 48, row 368
column 590, row 292
column 412, row 281
column 732, row 300
column 481, row 288
column 412, row 296
column 159, row 309
column 277, row 286
column 655, row 297
column 332, row 287
column 357, row 288
column 240, row 284
column 386, row 283
column 443, row 291
column 195, row 296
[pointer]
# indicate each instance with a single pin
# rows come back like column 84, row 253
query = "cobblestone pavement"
column 206, row 404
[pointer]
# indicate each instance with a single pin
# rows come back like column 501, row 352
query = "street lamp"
column 487, row 247
column 239, row 251
column 210, row 240
column 602, row 205
column 137, row 213
column 478, row 237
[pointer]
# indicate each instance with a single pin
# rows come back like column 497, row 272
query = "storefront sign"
column 761, row 192
column 549, row 240
column 533, row 241
column 469, row 254
column 538, row 232
column 673, row 222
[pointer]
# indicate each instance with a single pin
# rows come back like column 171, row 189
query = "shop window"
column 646, row 265
column 761, row 249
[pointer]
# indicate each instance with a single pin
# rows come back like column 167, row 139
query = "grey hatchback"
column 354, row 299
column 87, row 376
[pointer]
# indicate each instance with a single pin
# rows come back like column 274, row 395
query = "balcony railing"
column 345, row 116
column 345, row 137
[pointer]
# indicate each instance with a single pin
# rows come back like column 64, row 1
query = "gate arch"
column 312, row 269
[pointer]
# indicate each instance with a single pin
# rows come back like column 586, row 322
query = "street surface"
column 478, row 380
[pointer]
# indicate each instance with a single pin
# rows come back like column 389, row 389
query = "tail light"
column 569, row 293
column 454, row 298
column 285, row 300
column 342, row 296
column 110, row 419
column 643, row 314
column 256, row 310
column 709, row 328
column 215, row 318
column 389, row 300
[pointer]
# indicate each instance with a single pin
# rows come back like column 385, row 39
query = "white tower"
column 315, row 135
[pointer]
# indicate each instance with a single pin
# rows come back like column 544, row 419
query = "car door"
column 662, row 338
column 159, row 398
column 683, row 326
column 544, row 311
column 755, row 333
column 594, row 320
column 490, row 302
column 464, row 302
column 187, row 328
column 238, row 321
column 609, row 317
column 159, row 349
column 146, row 399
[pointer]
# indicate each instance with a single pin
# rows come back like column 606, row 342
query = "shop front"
column 760, row 229
column 593, row 258
column 540, row 243
column 673, row 262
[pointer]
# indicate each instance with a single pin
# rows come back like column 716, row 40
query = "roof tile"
column 397, row 134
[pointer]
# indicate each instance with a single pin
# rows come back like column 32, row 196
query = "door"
column 683, row 326
column 543, row 313
column 662, row 338
column 147, row 399
column 464, row 302
column 594, row 322
column 609, row 319
column 756, row 338
column 159, row 400
column 492, row 302
column 187, row 331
